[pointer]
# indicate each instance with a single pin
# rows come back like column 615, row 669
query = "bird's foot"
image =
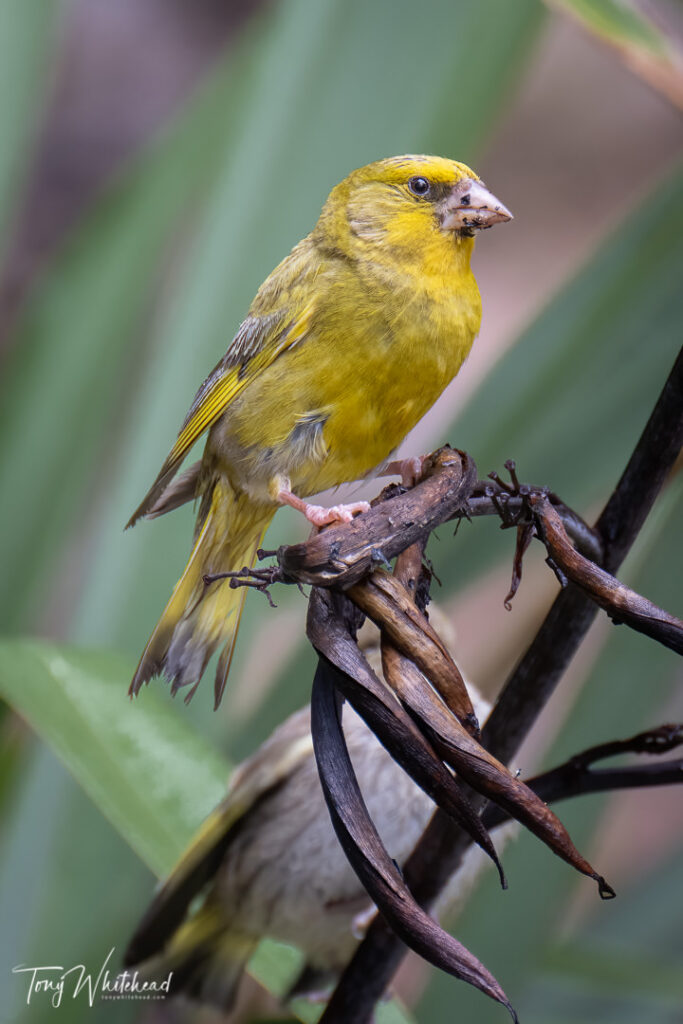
column 318, row 515
column 409, row 470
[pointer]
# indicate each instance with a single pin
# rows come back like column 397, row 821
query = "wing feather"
column 260, row 340
column 267, row 768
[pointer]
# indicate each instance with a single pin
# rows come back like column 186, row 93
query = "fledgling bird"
column 267, row 862
column 347, row 344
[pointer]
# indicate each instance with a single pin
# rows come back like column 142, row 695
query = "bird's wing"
column 266, row 769
column 258, row 343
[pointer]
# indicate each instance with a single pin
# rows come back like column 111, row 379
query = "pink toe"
column 317, row 515
column 341, row 513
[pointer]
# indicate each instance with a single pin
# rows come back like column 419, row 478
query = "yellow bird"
column 347, row 344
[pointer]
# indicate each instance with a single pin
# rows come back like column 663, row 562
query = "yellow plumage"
column 347, row 344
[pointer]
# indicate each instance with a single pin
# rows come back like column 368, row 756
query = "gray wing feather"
column 250, row 339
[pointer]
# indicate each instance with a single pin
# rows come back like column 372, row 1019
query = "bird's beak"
column 470, row 206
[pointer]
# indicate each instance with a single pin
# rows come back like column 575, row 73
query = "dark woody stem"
column 576, row 777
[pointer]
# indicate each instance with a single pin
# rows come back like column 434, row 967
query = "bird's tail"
column 204, row 959
column 201, row 616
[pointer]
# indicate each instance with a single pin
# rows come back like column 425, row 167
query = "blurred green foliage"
column 618, row 24
column 125, row 319
column 28, row 49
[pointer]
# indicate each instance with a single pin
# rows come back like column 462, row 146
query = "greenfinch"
column 267, row 862
column 347, row 344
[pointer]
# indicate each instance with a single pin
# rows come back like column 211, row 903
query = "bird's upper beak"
column 470, row 206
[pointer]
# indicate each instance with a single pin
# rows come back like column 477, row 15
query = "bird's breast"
column 337, row 404
column 407, row 357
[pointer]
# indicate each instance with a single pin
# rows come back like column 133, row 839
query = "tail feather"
column 213, row 978
column 225, row 660
column 204, row 959
column 199, row 617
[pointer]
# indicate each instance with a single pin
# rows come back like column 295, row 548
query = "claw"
column 318, row 515
column 409, row 470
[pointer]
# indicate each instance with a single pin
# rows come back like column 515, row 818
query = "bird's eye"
column 419, row 186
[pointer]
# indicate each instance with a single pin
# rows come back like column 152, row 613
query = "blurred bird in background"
column 267, row 862
column 348, row 343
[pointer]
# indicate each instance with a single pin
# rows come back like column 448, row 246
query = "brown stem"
column 471, row 762
column 370, row 860
column 585, row 537
column 533, row 681
column 577, row 777
column 344, row 554
column 620, row 602
column 386, row 601
column 329, row 627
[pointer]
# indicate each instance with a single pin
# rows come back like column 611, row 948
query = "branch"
column 620, row 602
column 528, row 689
column 343, row 554
column 369, row 858
column 576, row 777
column 483, row 503
column 328, row 630
column 533, row 682
column 385, row 600
column 471, row 763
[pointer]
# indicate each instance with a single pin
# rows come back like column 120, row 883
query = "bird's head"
column 406, row 200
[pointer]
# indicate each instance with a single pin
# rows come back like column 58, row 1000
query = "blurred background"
column 157, row 158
